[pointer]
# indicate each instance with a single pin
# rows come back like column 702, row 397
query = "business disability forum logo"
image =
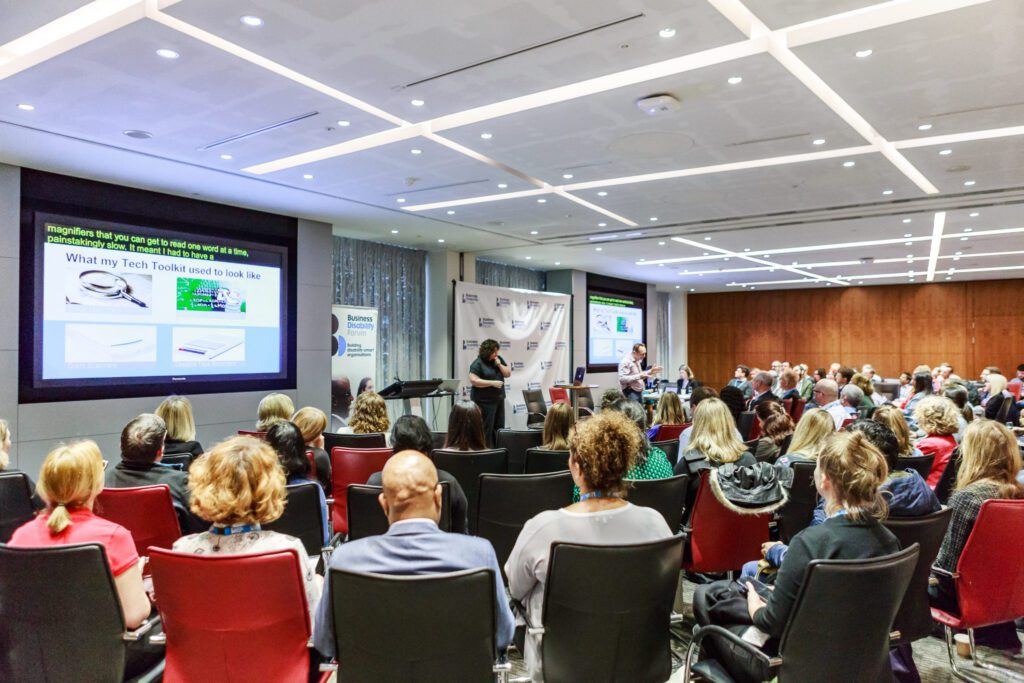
column 486, row 322
column 559, row 307
column 545, row 326
column 532, row 345
column 518, row 408
column 546, row 365
column 468, row 344
column 518, row 365
column 518, row 324
column 532, row 304
column 559, row 346
column 505, row 345
column 502, row 301
column 533, row 386
column 470, row 298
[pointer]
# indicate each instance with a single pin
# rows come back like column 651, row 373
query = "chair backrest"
column 375, row 440
column 302, row 517
column 584, row 399
column 408, row 642
column 669, row 432
column 722, row 540
column 507, row 501
column 1014, row 387
column 311, row 459
column 667, row 496
column 846, row 423
column 832, row 627
column 1004, row 410
column 466, row 467
column 986, row 590
column 671, row 449
column 755, row 429
column 147, row 512
column 540, row 460
column 890, row 390
column 517, row 442
column 559, row 395
column 947, row 479
column 599, row 627
column 182, row 459
column 15, row 503
column 914, row 620
column 784, row 445
column 922, row 464
column 60, row 618
column 798, row 511
column 233, row 617
column 366, row 517
column 746, row 424
column 534, row 399
column 257, row 435
column 798, row 409
column 438, row 439
column 351, row 466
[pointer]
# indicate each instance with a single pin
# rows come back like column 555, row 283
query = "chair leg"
column 985, row 663
column 962, row 674
column 691, row 652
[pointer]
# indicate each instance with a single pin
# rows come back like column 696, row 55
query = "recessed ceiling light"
column 692, row 289
column 956, row 258
column 567, row 176
column 860, row 282
column 597, row 248
column 486, row 136
column 344, row 124
column 226, row 157
column 451, row 213
column 528, row 257
column 968, row 229
column 910, row 256
column 747, row 249
column 948, row 277
column 416, row 151
column 925, row 126
column 911, row 279
column 819, row 141
column 969, row 183
column 963, row 239
column 959, row 252
column 945, row 152
column 601, row 225
column 138, row 134
column 707, row 239
column 441, row 240
column 400, row 200
column 250, row 20
column 765, row 255
column 667, row 32
column 502, row 186
column 677, row 286
column 828, row 284
column 864, row 53
column 602, row 193
column 417, row 103
column 394, row 232
column 533, row 232
column 26, row 107
column 707, row 254
column 558, row 263
column 654, row 218
column 167, row 53
column 735, row 80
column 308, row 176
column 661, row 244
column 886, row 192
column 907, row 220
column 974, row 214
column 541, row 200
column 907, row 244
column 849, row 164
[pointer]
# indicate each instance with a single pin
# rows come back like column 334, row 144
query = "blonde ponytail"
column 59, row 519
column 856, row 469
column 71, row 476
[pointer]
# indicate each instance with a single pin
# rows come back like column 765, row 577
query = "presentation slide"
column 121, row 301
column 614, row 323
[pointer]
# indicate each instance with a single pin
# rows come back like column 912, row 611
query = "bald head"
column 411, row 489
column 825, row 391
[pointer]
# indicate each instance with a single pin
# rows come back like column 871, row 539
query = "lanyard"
column 234, row 530
column 597, row 494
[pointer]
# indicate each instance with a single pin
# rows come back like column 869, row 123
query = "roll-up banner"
column 532, row 330
column 354, row 341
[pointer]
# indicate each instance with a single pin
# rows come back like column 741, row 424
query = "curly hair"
column 937, row 415
column 273, row 408
column 856, row 470
column 776, row 424
column 487, row 347
column 369, row 414
column 238, row 481
column 864, row 383
column 605, row 448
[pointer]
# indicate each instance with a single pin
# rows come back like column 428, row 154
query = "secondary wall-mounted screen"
column 615, row 322
column 120, row 309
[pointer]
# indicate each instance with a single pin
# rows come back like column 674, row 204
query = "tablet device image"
column 210, row 345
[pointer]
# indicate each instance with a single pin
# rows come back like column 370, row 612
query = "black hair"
column 487, row 347
column 923, row 382
column 881, row 437
column 362, row 384
column 285, row 438
column 734, row 399
column 465, row 428
column 411, row 433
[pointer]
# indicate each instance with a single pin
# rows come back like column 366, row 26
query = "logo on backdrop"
column 545, row 365
column 545, row 326
column 468, row 344
column 532, row 304
column 559, row 307
column 560, row 345
column 518, row 365
column 341, row 345
column 533, row 386
column 486, row 322
column 505, row 345
column 532, row 346
column 470, row 298
column 519, row 408
column 502, row 301
column 518, row 324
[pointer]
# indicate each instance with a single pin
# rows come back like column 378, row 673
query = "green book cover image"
column 195, row 294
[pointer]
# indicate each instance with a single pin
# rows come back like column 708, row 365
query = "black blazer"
column 792, row 393
column 766, row 396
column 174, row 447
column 691, row 385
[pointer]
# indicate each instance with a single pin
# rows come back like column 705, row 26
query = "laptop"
column 449, row 385
column 581, row 372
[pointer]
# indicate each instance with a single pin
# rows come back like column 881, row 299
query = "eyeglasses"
column 105, row 463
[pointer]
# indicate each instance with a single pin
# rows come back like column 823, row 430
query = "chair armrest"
column 142, row 630
column 159, row 639
column 675, row 618
column 701, row 631
column 895, row 635
column 329, row 501
column 943, row 572
column 329, row 666
column 520, row 609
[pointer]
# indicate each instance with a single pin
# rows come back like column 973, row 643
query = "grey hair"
column 635, row 413
column 764, row 377
column 853, row 394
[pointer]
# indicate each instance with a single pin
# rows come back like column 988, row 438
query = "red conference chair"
column 798, row 409
column 312, row 465
column 986, row 590
column 560, row 395
column 147, row 512
column 669, row 432
column 232, row 617
column 755, row 430
column 846, row 423
column 1014, row 388
column 255, row 435
column 351, row 466
column 718, row 539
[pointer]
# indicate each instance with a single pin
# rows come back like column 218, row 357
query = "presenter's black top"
column 490, row 372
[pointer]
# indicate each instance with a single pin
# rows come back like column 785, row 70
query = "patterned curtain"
column 392, row 280
column 503, row 275
column 661, row 331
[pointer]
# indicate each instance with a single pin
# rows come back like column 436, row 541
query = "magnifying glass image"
column 107, row 285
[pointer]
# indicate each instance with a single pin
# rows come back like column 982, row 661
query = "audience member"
column 341, row 403
column 741, row 380
column 286, row 439
column 844, row 376
column 668, row 412
column 369, row 416
column 937, row 418
column 957, row 393
column 712, row 443
column 988, row 471
column 273, row 408
column 922, row 387
column 176, row 412
column 906, row 493
column 788, row 385
column 906, row 387
column 686, row 382
column 602, row 451
column 809, row 436
column 868, row 371
column 411, row 433
column 833, row 372
column 892, row 417
column 413, row 544
column 239, row 485
column 312, row 422
column 610, row 396
column 466, row 427
column 805, row 385
column 651, row 462
column 871, row 397
column 558, row 426
column 776, row 427
column 699, row 394
column 733, row 398
column 142, row 447
column 761, row 387
column 852, row 399
column 996, row 390
column 849, row 474
column 826, row 397
column 5, row 463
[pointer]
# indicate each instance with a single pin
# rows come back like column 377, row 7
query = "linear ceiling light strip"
column 746, row 257
column 933, row 255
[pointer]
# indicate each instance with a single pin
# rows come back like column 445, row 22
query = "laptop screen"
column 580, row 373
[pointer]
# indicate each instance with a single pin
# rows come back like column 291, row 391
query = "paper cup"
column 963, row 645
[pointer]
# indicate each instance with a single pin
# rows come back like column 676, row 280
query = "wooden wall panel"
column 895, row 328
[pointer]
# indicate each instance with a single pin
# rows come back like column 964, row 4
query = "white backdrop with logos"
column 532, row 329
column 354, row 342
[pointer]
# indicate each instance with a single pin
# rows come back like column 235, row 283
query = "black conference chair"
column 507, row 501
column 890, row 390
column 831, row 627
column 797, row 513
column 667, row 496
column 517, row 442
column 947, row 479
column 922, row 464
column 746, row 424
column 914, row 620
column 411, row 644
column 540, row 460
column 599, row 627
column 302, row 518
column 60, row 617
column 671, row 448
column 366, row 516
column 180, row 460
column 438, row 439
column 784, row 446
column 353, row 441
column 466, row 467
column 536, row 408
column 15, row 503
column 1004, row 409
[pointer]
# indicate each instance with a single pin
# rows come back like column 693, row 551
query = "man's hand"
column 754, row 601
column 766, row 546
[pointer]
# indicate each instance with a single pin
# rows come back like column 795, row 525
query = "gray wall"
column 38, row 427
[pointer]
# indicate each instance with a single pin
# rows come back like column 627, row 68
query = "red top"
column 85, row 527
column 942, row 447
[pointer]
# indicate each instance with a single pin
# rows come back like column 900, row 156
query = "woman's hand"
column 765, row 547
column 754, row 601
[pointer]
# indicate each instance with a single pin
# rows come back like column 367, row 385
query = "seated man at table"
column 413, row 544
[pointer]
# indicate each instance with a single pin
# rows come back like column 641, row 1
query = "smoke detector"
column 658, row 104
column 867, row 260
